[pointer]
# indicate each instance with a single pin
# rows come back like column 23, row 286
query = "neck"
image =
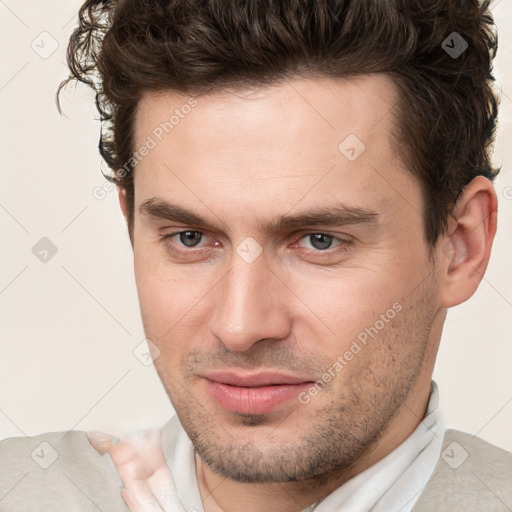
column 220, row 494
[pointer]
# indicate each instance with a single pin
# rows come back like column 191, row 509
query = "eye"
column 189, row 238
column 320, row 241
column 180, row 242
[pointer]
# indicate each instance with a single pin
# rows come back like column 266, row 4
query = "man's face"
column 306, row 263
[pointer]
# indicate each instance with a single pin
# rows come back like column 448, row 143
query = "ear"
column 121, row 194
column 466, row 247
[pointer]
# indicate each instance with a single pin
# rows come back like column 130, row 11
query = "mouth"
column 256, row 393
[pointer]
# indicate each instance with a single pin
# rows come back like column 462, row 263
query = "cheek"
column 172, row 300
column 339, row 306
column 158, row 294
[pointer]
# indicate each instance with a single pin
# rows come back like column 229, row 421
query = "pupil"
column 190, row 238
column 321, row 241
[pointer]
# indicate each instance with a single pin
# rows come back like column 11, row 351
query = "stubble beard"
column 333, row 439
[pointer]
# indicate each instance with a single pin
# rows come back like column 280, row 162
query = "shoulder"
column 470, row 473
column 57, row 470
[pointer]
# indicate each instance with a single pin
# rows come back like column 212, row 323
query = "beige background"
column 69, row 327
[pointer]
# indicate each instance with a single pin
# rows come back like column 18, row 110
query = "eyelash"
column 319, row 254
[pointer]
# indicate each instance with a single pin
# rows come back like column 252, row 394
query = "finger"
column 138, row 457
column 130, row 465
column 159, row 479
column 100, row 441
column 161, row 486
column 142, row 466
column 140, row 501
column 133, row 472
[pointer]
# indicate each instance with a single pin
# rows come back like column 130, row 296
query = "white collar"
column 396, row 481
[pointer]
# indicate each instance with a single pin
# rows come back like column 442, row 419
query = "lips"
column 254, row 380
column 253, row 393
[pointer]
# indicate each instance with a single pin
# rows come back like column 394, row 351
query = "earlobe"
column 468, row 243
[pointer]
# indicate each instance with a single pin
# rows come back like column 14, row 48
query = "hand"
column 139, row 459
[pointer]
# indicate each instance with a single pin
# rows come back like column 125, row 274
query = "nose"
column 250, row 305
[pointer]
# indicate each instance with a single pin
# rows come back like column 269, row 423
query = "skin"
column 240, row 160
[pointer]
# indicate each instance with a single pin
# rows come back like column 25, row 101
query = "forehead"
column 301, row 139
column 326, row 108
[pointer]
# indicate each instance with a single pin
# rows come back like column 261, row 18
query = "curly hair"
column 447, row 108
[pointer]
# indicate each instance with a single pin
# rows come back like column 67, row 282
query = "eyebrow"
column 336, row 215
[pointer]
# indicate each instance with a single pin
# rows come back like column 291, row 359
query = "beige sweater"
column 62, row 472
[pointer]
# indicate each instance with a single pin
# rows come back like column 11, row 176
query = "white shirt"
column 393, row 484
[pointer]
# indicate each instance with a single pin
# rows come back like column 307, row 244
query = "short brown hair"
column 447, row 107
